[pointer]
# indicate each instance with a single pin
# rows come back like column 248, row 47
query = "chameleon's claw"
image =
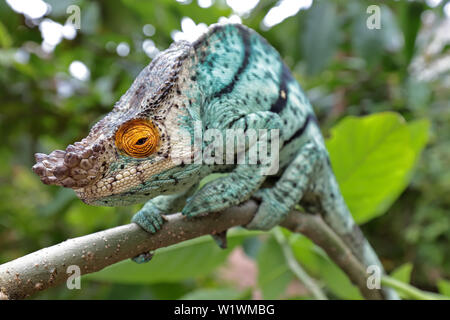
column 143, row 257
column 221, row 239
column 149, row 219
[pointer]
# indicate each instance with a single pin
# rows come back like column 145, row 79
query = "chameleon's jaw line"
column 75, row 167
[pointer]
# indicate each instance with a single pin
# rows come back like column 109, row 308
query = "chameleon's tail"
column 339, row 218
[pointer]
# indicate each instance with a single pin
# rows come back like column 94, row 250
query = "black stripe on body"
column 247, row 50
column 285, row 76
column 299, row 132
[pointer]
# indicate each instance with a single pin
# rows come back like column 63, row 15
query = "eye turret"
column 137, row 138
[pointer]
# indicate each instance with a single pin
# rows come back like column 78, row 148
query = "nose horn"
column 46, row 165
column 72, row 168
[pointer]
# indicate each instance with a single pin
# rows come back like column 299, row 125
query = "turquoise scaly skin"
column 230, row 78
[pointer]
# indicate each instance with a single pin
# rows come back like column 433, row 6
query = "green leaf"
column 403, row 273
column 213, row 294
column 192, row 258
column 337, row 281
column 419, row 135
column 273, row 273
column 317, row 263
column 307, row 253
column 444, row 287
column 320, row 42
column 5, row 38
column 410, row 18
column 373, row 158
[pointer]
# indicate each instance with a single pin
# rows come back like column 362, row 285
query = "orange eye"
column 137, row 138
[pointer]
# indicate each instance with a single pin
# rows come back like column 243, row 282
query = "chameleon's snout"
column 75, row 167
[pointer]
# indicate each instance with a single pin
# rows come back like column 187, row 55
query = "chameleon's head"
column 135, row 151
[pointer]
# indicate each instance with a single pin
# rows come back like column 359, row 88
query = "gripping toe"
column 149, row 219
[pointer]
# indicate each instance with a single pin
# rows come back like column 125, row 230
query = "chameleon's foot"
column 149, row 218
column 221, row 239
column 270, row 213
column 143, row 257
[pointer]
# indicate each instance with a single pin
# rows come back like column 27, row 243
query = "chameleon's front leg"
column 278, row 201
column 225, row 192
column 150, row 216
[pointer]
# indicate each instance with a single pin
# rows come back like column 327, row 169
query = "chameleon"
column 230, row 78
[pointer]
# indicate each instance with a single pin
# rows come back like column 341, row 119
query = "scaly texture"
column 230, row 78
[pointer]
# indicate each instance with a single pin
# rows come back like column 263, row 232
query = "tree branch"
column 47, row 267
column 296, row 268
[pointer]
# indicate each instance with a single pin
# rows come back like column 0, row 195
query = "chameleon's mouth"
column 76, row 167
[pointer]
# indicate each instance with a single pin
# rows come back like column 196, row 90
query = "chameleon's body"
column 230, row 78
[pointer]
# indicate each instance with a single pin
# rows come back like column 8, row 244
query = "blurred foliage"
column 346, row 70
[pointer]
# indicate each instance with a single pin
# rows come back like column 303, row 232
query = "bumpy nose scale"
column 76, row 167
